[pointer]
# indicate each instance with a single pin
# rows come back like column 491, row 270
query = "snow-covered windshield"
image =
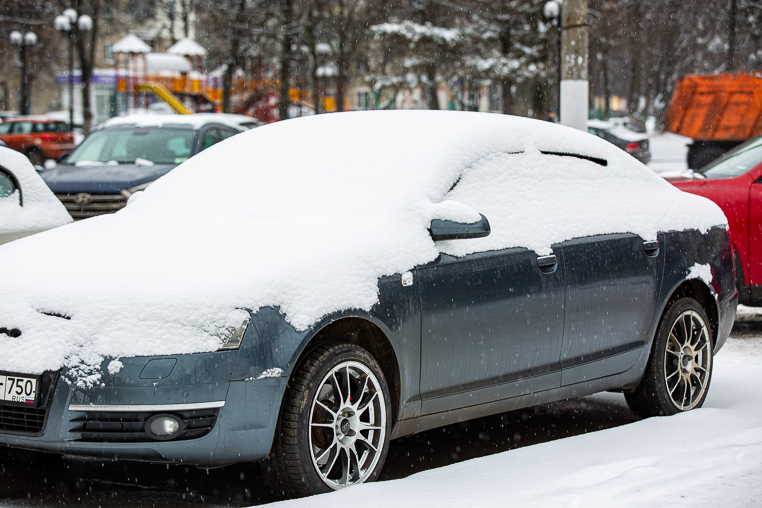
column 126, row 146
column 736, row 162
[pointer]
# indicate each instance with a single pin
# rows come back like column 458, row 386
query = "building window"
column 108, row 52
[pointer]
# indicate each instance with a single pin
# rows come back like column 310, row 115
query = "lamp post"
column 21, row 42
column 73, row 25
column 552, row 11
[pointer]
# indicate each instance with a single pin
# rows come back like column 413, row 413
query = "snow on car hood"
column 306, row 215
column 41, row 209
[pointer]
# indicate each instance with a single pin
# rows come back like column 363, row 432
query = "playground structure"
column 177, row 78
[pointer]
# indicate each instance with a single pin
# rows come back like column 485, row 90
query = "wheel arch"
column 365, row 332
column 704, row 295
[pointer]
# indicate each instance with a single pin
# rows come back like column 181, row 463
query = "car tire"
column 334, row 424
column 35, row 156
column 679, row 367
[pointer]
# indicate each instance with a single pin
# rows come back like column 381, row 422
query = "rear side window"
column 58, row 127
column 22, row 127
column 211, row 137
column 5, row 128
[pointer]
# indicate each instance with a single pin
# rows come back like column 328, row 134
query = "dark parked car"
column 634, row 143
column 303, row 306
column 126, row 154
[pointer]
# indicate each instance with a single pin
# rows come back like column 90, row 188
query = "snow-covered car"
column 304, row 306
column 126, row 154
column 634, row 143
column 26, row 204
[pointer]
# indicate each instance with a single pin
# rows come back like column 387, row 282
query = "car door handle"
column 547, row 264
column 651, row 248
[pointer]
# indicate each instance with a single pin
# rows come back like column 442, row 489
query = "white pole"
column 574, row 84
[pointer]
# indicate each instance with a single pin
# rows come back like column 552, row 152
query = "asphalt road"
column 37, row 479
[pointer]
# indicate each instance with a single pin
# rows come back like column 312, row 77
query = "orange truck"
column 718, row 112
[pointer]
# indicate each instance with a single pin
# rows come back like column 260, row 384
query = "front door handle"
column 651, row 248
column 547, row 264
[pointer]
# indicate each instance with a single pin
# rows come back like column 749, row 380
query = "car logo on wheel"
column 83, row 199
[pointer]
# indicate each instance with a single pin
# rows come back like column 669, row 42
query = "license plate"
column 19, row 389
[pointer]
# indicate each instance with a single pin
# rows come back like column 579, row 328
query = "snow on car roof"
column 306, row 215
column 193, row 121
column 41, row 209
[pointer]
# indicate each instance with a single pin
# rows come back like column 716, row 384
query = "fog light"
column 164, row 427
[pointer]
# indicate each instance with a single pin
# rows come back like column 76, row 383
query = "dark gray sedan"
column 634, row 143
column 272, row 300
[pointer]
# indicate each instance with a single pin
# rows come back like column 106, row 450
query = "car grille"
column 130, row 427
column 98, row 204
column 21, row 419
column 29, row 420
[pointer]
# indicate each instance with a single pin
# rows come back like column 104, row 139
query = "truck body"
column 718, row 112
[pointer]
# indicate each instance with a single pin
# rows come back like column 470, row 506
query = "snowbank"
column 307, row 215
column 41, row 210
column 706, row 457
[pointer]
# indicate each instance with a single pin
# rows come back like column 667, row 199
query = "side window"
column 22, row 127
column 41, row 127
column 228, row 132
column 7, row 186
column 5, row 128
column 211, row 136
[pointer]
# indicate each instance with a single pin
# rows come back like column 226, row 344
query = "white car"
column 27, row 205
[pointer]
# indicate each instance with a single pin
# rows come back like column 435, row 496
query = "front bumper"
column 246, row 412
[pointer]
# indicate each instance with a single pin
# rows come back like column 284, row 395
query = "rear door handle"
column 651, row 248
column 547, row 264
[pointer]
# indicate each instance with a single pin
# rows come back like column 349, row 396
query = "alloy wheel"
column 347, row 425
column 687, row 360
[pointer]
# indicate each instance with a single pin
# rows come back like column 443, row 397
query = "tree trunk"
column 226, row 84
column 506, row 82
column 285, row 59
column 732, row 36
column 505, row 87
column 431, row 88
column 312, row 41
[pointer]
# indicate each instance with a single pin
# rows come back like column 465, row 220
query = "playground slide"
column 161, row 92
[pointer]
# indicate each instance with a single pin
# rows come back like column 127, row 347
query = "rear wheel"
column 680, row 366
column 35, row 156
column 333, row 429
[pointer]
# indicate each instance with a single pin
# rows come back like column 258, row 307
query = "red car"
column 37, row 138
column 734, row 182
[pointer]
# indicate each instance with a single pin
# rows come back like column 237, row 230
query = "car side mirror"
column 449, row 230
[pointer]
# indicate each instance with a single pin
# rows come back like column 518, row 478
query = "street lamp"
column 73, row 25
column 552, row 11
column 21, row 42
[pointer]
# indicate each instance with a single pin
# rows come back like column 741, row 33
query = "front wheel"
column 680, row 366
column 333, row 429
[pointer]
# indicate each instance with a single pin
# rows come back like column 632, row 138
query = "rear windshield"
column 736, row 162
column 124, row 146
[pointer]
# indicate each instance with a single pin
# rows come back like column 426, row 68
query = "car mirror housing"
column 449, row 230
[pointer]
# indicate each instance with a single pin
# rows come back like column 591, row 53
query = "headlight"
column 232, row 339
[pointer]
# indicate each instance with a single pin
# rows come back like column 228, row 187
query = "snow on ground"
column 669, row 153
column 707, row 457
